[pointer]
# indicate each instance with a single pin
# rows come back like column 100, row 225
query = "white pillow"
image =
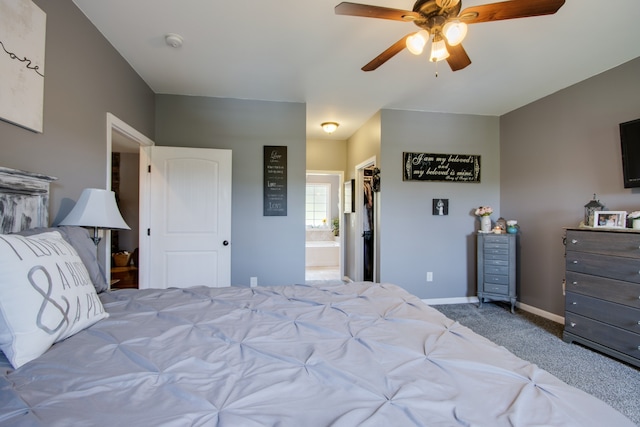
column 46, row 295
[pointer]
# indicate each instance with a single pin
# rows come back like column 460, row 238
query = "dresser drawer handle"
column 575, row 283
column 573, row 324
column 575, row 261
column 574, row 241
column 574, row 303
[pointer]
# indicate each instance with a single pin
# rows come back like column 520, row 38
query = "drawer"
column 610, row 336
column 496, row 269
column 496, row 239
column 499, row 246
column 617, row 291
column 496, row 289
column 608, row 312
column 496, row 260
column 627, row 269
column 495, row 251
column 603, row 242
column 496, row 279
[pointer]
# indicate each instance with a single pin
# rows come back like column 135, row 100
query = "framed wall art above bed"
column 22, row 50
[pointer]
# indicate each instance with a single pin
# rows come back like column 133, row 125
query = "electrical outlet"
column 253, row 282
column 429, row 276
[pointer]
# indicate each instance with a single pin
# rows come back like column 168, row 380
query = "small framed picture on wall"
column 440, row 207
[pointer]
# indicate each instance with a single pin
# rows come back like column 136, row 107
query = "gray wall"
column 270, row 248
column 412, row 240
column 84, row 79
column 555, row 154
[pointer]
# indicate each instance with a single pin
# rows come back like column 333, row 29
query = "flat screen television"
column 630, row 141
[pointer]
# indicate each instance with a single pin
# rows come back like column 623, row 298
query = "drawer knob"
column 573, row 324
column 575, row 261
column 574, row 303
column 575, row 283
column 574, row 241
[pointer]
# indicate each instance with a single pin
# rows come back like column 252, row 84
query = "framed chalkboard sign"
column 441, row 167
column 275, row 181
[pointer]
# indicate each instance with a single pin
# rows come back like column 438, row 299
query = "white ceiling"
column 300, row 51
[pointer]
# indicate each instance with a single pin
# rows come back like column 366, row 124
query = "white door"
column 187, row 241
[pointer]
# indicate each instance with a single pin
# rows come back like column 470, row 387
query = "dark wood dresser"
column 602, row 304
column 496, row 259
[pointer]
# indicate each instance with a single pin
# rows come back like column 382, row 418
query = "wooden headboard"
column 24, row 200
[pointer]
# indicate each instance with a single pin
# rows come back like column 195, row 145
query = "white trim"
column 541, row 313
column 474, row 300
column 447, row 301
column 114, row 122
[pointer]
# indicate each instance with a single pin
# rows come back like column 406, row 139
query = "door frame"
column 359, row 245
column 136, row 138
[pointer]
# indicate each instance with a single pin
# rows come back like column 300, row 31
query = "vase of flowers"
column 635, row 220
column 484, row 212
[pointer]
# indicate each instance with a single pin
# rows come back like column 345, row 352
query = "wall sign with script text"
column 441, row 167
column 275, row 181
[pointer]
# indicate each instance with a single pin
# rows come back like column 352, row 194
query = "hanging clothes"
column 367, row 228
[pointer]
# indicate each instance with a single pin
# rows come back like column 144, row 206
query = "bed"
column 356, row 354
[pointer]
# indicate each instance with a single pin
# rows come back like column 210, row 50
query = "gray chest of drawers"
column 602, row 304
column 497, row 268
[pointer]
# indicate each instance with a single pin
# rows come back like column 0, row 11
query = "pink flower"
column 484, row 211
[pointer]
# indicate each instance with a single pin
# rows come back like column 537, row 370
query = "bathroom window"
column 318, row 205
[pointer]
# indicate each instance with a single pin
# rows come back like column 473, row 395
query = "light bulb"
column 416, row 42
column 438, row 50
column 329, row 127
column 454, row 31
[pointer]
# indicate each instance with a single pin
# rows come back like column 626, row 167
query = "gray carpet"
column 539, row 341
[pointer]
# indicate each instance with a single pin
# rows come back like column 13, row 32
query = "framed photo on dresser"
column 610, row 219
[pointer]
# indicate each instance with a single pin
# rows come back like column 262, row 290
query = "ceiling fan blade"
column 367, row 11
column 392, row 51
column 509, row 10
column 458, row 58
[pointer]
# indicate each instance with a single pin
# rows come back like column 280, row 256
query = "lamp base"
column 96, row 239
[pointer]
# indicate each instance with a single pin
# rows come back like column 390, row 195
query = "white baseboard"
column 541, row 313
column 446, row 301
column 474, row 300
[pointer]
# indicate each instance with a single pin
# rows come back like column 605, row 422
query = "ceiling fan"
column 442, row 22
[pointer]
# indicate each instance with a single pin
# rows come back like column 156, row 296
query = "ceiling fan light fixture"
column 446, row 3
column 329, row 127
column 417, row 42
column 438, row 50
column 454, row 31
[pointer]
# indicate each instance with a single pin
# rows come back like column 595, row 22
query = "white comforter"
column 360, row 354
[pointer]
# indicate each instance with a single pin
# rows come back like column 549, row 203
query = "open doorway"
column 367, row 222
column 123, row 159
column 324, row 243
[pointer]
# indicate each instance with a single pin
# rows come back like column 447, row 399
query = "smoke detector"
column 173, row 40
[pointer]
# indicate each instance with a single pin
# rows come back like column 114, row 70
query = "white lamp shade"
column 96, row 208
column 417, row 41
column 454, row 32
column 438, row 51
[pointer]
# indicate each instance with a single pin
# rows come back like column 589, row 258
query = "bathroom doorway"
column 324, row 242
